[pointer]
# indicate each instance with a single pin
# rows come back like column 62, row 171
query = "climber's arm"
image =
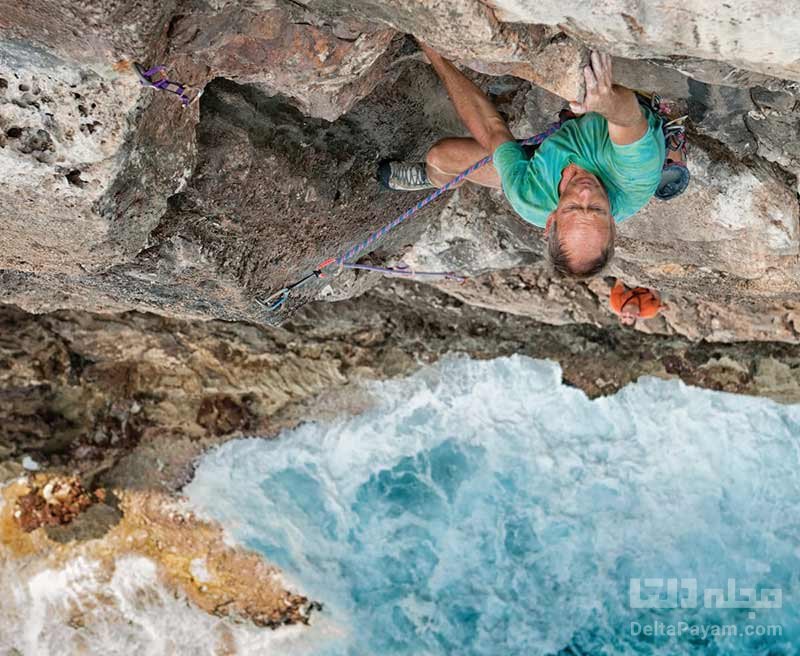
column 473, row 107
column 626, row 122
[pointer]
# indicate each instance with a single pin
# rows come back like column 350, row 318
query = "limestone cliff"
column 128, row 401
column 116, row 198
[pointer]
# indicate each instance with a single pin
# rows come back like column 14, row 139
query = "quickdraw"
column 277, row 299
column 675, row 175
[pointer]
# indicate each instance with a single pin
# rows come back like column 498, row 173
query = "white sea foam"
column 484, row 508
column 478, row 508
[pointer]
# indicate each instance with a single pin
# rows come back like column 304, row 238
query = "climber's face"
column 585, row 227
column 628, row 317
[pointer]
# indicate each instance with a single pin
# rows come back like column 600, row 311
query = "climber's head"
column 629, row 315
column 581, row 229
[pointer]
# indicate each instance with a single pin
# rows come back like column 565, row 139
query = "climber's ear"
column 550, row 221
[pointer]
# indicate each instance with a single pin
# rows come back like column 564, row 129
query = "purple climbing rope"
column 164, row 84
column 277, row 299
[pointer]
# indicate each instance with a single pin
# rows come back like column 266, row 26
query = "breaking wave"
column 486, row 508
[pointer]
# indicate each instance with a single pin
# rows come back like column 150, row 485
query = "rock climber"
column 593, row 172
column 634, row 303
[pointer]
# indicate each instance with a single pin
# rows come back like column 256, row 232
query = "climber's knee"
column 438, row 163
column 440, row 156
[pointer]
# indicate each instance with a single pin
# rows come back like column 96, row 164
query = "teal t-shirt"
column 629, row 173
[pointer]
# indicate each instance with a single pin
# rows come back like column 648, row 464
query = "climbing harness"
column 148, row 78
column 277, row 299
column 675, row 174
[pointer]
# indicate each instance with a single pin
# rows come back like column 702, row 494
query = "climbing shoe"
column 404, row 176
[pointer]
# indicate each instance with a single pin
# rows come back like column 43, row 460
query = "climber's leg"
column 449, row 157
column 444, row 161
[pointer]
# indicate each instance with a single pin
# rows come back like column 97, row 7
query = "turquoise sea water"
column 485, row 508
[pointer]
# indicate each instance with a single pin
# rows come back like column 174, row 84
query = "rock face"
column 61, row 127
column 129, row 401
column 470, row 32
column 116, row 198
column 324, row 70
column 756, row 34
column 155, row 556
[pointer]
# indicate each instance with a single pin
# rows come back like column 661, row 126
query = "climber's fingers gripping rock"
column 618, row 105
column 600, row 96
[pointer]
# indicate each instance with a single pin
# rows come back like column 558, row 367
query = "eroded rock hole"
column 74, row 178
column 40, row 140
column 89, row 128
column 14, row 133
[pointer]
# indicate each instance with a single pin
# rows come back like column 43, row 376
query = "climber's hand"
column 618, row 105
column 430, row 53
column 600, row 96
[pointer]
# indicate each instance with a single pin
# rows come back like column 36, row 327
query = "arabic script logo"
column 683, row 593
